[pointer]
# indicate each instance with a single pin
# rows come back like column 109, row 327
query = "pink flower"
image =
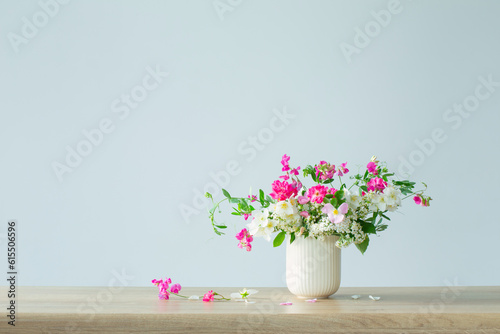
column 253, row 198
column 376, row 184
column 295, row 171
column 335, row 215
column 317, row 193
column 422, row 200
column 164, row 295
column 332, row 191
column 418, row 200
column 246, row 215
column 342, row 169
column 304, row 214
column 285, row 177
column 245, row 239
column 175, row 288
column 284, row 162
column 283, row 190
column 302, row 199
column 372, row 168
column 209, row 296
column 324, row 170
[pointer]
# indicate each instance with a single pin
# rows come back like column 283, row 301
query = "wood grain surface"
column 137, row 310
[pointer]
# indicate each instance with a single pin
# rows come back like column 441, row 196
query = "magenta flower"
column 175, row 288
column 376, row 184
column 417, row 199
column 164, row 295
column 335, row 215
column 295, row 171
column 283, row 190
column 285, row 177
column 209, row 296
column 284, row 162
column 372, row 168
column 253, row 198
column 324, row 170
column 317, row 193
column 342, row 169
column 245, row 239
column 332, row 191
column 246, row 215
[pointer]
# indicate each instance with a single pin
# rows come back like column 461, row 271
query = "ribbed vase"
column 313, row 267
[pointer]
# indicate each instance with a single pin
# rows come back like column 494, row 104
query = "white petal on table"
column 374, row 298
column 355, row 296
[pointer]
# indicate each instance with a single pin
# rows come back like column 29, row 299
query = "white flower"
column 261, row 225
column 285, row 208
column 243, row 294
column 353, row 199
column 379, row 201
column 392, row 198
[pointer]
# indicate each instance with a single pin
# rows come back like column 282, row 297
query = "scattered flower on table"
column 373, row 298
column 286, row 303
column 243, row 295
column 352, row 212
column 165, row 290
column 355, row 296
column 312, row 300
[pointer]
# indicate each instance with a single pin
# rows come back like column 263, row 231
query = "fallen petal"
column 287, row 303
column 311, row 300
column 373, row 298
column 355, row 296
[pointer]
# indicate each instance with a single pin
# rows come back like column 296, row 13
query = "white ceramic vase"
column 313, row 267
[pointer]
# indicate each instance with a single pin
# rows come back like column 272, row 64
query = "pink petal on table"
column 287, row 303
column 311, row 300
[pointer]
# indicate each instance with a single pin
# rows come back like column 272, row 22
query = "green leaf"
column 369, row 228
column 224, row 191
column 364, row 245
column 261, row 196
column 234, row 200
column 220, row 226
column 334, row 202
column 292, row 237
column 381, row 227
column 380, row 213
column 339, row 194
column 328, row 195
column 279, row 239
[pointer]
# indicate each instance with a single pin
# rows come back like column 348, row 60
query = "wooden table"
column 138, row 310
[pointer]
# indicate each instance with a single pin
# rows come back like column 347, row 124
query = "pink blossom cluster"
column 372, row 168
column 283, row 190
column 422, row 200
column 316, row 194
column 245, row 239
column 376, row 184
column 209, row 296
column 326, row 171
column 163, row 287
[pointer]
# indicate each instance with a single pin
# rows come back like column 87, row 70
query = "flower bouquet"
column 350, row 212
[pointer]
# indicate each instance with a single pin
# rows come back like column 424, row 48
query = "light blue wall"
column 230, row 72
